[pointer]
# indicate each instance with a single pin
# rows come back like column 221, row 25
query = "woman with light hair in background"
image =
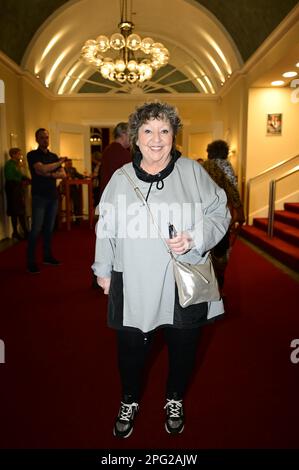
column 15, row 195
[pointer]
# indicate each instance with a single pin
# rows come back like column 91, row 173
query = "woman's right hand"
column 104, row 283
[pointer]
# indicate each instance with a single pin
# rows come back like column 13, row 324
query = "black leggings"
column 133, row 347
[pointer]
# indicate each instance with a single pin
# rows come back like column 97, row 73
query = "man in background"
column 115, row 154
column 45, row 168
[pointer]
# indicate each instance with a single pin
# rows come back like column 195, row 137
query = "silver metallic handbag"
column 196, row 283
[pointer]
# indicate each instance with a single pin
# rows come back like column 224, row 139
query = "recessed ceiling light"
column 289, row 74
column 277, row 83
column 297, row 65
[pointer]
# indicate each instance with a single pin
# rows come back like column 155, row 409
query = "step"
column 279, row 249
column 292, row 207
column 284, row 231
column 287, row 217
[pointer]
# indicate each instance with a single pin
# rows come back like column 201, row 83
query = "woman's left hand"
column 181, row 243
column 104, row 283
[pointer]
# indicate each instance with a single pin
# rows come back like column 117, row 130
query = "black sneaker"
column 174, row 423
column 33, row 268
column 52, row 261
column 123, row 426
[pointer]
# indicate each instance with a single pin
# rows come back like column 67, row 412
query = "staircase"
column 284, row 245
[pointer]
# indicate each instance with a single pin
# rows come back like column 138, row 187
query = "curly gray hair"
column 155, row 110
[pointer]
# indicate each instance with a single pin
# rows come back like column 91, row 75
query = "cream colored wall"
column 37, row 113
column 13, row 106
column 72, row 146
column 115, row 109
column 234, row 115
column 198, row 143
column 264, row 151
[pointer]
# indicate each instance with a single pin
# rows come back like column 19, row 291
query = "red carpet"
column 60, row 388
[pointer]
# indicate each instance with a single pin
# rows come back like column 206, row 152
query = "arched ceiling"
column 207, row 39
column 202, row 54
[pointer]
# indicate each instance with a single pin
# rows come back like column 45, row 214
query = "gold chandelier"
column 128, row 64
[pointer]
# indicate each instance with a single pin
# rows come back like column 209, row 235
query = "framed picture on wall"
column 274, row 124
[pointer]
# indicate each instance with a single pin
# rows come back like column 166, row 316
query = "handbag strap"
column 145, row 203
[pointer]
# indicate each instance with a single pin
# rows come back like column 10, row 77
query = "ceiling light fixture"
column 277, row 83
column 129, row 64
column 289, row 74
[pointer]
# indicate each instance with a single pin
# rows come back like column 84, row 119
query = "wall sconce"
column 232, row 152
column 13, row 139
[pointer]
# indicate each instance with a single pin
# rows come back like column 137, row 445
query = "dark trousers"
column 76, row 199
column 220, row 258
column 133, row 348
column 43, row 219
column 22, row 220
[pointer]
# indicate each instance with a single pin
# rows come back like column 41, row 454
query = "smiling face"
column 155, row 139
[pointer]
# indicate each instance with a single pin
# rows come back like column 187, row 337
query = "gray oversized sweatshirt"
column 128, row 242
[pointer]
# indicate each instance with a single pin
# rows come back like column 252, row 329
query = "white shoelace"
column 174, row 407
column 126, row 410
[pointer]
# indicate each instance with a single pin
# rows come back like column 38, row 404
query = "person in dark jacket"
column 221, row 171
column 115, row 154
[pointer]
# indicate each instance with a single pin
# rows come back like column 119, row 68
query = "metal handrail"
column 272, row 195
column 263, row 173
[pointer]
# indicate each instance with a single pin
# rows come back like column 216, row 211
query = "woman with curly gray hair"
column 134, row 268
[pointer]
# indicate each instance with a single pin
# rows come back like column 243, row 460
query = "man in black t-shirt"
column 45, row 168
